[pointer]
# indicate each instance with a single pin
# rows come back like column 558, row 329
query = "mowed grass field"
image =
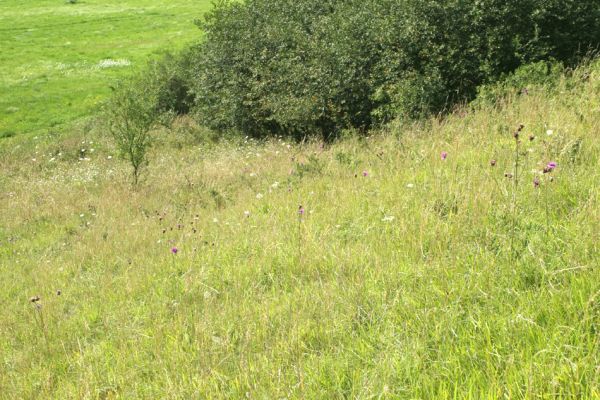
column 57, row 60
column 371, row 268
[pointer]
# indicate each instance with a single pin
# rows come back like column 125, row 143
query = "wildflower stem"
column 300, row 241
column 41, row 323
column 547, row 209
column 300, row 216
column 514, row 198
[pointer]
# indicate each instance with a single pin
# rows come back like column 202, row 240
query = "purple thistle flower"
column 300, row 210
column 174, row 250
column 444, row 155
column 365, row 173
column 549, row 167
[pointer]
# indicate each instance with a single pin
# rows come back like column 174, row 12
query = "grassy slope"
column 400, row 284
column 51, row 69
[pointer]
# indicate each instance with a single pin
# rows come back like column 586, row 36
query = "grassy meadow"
column 443, row 259
column 58, row 60
column 370, row 268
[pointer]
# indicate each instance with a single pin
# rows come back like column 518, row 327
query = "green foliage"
column 320, row 66
column 168, row 79
column 542, row 74
column 130, row 116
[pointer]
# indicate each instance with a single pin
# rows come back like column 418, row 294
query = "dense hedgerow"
column 305, row 67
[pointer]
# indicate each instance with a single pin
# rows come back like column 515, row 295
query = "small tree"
column 130, row 117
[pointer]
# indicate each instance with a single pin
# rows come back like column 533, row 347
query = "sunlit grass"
column 426, row 278
column 53, row 66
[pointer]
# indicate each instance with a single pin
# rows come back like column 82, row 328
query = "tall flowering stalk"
column 38, row 316
column 515, row 177
column 301, row 213
column 548, row 169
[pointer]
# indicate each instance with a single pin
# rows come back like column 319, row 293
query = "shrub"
column 169, row 78
column 130, row 116
column 542, row 74
column 304, row 67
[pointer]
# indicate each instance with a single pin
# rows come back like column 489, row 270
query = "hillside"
column 412, row 263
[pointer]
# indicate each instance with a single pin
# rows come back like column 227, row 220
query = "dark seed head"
column 493, row 163
column 35, row 299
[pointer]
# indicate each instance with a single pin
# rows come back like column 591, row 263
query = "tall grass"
column 407, row 285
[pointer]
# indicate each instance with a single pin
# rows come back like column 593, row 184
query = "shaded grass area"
column 408, row 276
column 58, row 60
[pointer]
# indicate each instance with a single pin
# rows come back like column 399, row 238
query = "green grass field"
column 407, row 276
column 370, row 268
column 57, row 59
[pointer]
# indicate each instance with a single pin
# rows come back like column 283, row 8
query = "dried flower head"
column 493, row 163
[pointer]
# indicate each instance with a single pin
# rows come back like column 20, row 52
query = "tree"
column 130, row 118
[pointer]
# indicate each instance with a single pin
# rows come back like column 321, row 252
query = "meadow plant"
column 130, row 116
column 38, row 316
column 301, row 212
